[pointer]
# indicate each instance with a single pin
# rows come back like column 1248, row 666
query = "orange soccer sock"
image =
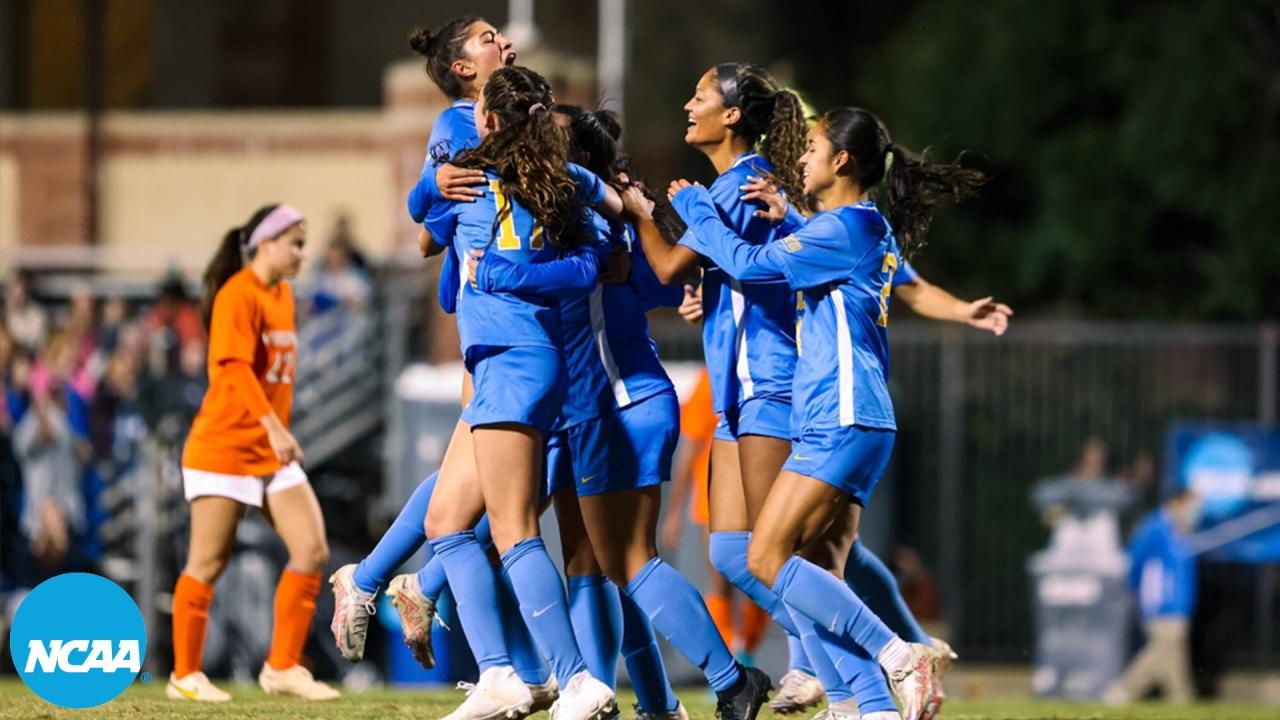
column 755, row 624
column 295, row 606
column 191, row 601
column 721, row 609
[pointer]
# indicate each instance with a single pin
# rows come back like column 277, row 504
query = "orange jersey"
column 253, row 346
column 698, row 421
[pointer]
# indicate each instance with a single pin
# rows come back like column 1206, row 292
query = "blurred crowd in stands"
column 86, row 378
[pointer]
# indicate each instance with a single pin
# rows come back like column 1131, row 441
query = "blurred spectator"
column 26, row 321
column 51, row 448
column 340, row 279
column 1092, row 464
column 919, row 588
column 115, row 313
column 175, row 319
column 1162, row 572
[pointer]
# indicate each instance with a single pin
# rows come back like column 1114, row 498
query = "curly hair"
column 773, row 120
column 529, row 153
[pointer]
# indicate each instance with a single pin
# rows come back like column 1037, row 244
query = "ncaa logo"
column 78, row 640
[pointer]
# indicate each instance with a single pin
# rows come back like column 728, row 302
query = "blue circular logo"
column 1219, row 469
column 78, row 640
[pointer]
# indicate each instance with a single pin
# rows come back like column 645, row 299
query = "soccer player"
column 622, row 455
column 842, row 262
column 529, row 213
column 240, row 453
column 749, row 333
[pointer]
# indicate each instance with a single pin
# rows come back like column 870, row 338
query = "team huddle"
column 552, row 255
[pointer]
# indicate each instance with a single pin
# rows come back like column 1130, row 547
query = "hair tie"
column 536, row 107
column 888, row 161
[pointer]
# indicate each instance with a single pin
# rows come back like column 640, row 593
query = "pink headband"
column 273, row 225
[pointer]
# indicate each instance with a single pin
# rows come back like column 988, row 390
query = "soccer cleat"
column 797, row 692
column 499, row 694
column 832, row 714
column 352, row 608
column 882, row 715
column 912, row 684
column 416, row 615
column 678, row 714
column 195, row 686
column 295, row 682
column 944, row 656
column 746, row 701
column 584, row 698
column 544, row 695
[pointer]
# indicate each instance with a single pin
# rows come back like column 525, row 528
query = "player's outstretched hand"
column 676, row 186
column 758, row 188
column 636, row 205
column 459, row 184
column 986, row 314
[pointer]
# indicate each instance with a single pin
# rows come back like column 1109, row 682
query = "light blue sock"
column 675, row 609
column 728, row 552
column 543, row 606
column 833, row 683
column 644, row 661
column 475, row 592
column 596, row 613
column 729, row 556
column 797, row 657
column 431, row 577
column 831, row 604
column 867, row 683
column 878, row 588
column 399, row 542
column 851, row 673
column 528, row 663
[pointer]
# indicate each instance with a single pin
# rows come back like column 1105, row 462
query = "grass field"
column 148, row 701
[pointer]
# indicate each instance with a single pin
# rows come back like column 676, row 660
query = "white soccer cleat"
column 797, row 692
column 912, row 684
column 882, row 715
column 352, row 608
column 828, row 713
column 416, row 615
column 678, row 714
column 195, row 686
column 945, row 656
column 499, row 693
column 584, row 698
column 294, row 682
column 544, row 695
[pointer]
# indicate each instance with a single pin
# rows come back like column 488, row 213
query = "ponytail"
column 529, row 154
column 915, row 189
column 773, row 121
column 784, row 143
column 227, row 261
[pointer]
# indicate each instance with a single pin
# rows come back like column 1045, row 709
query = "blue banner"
column 1235, row 470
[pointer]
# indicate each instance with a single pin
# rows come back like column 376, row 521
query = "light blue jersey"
column 528, row 317
column 625, row 350
column 748, row 332
column 453, row 132
column 843, row 263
